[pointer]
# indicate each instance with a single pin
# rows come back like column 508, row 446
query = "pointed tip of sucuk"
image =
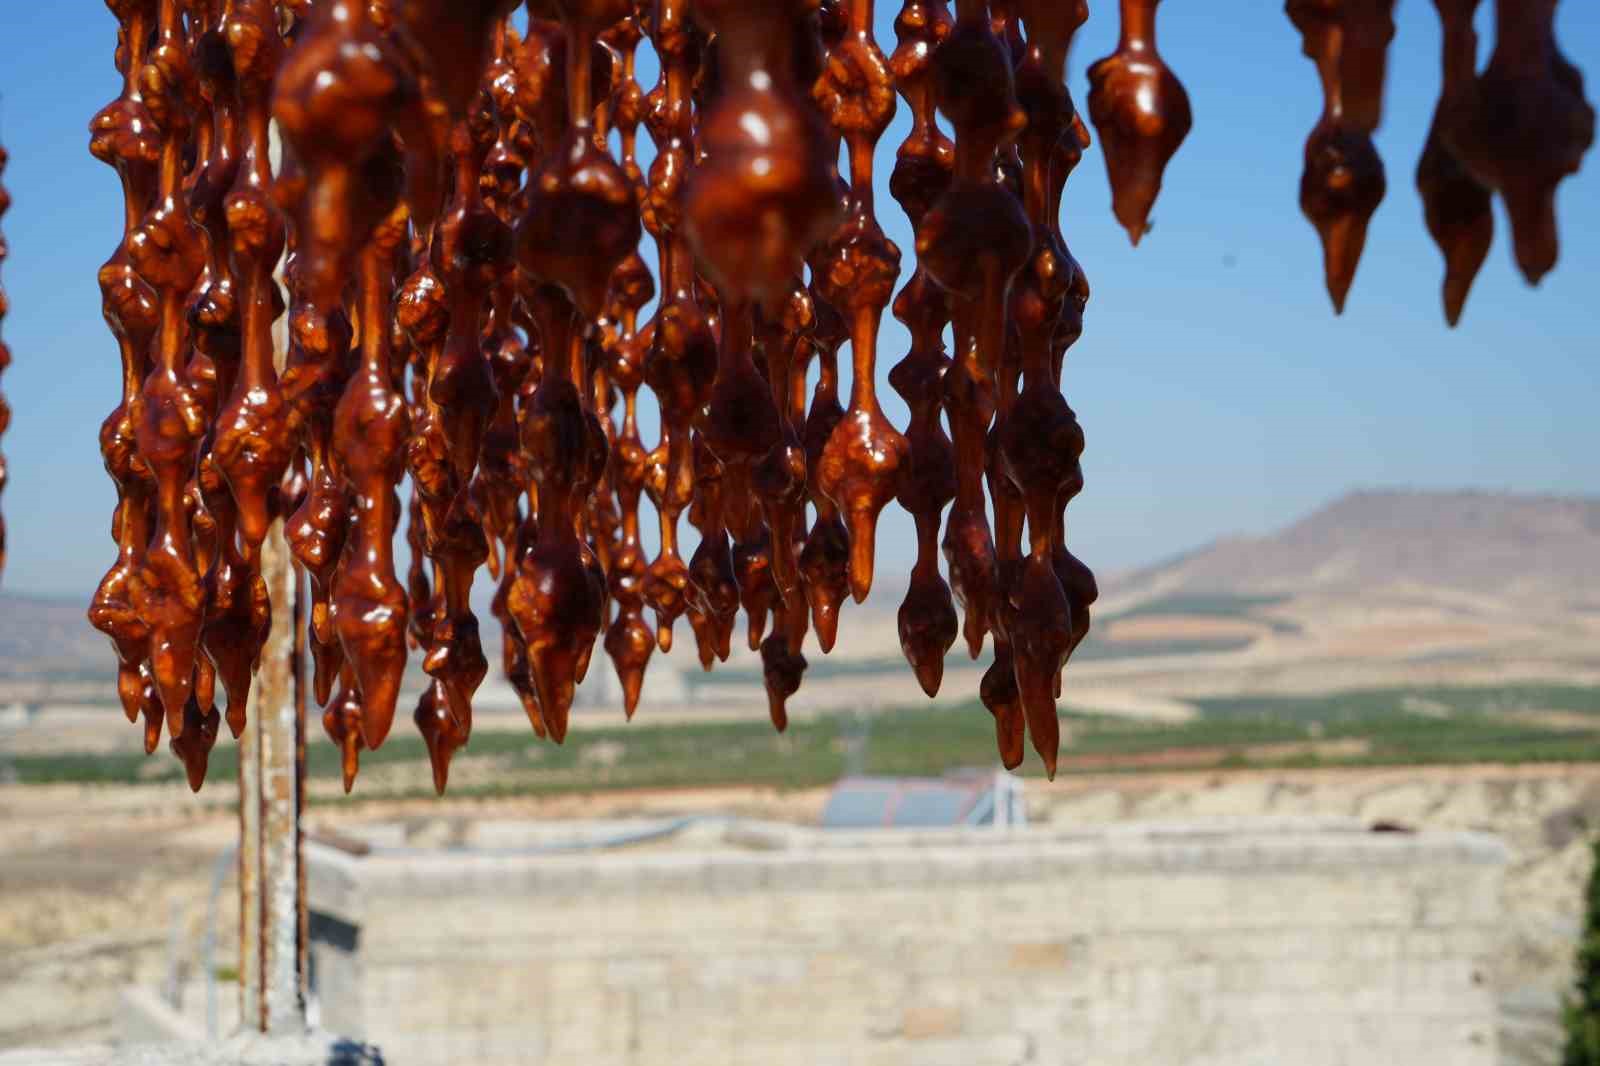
column 1009, row 733
column 555, row 701
column 928, row 671
column 632, row 684
column 205, row 688
column 826, row 623
column 350, row 759
column 663, row 634
column 1457, row 287
column 174, row 721
column 1049, row 753
column 1338, row 283
column 1534, row 272
column 530, row 707
column 863, row 540
column 1536, row 242
column 235, row 719
column 377, row 715
column 555, row 718
column 441, row 771
column 1013, row 750
column 1132, row 211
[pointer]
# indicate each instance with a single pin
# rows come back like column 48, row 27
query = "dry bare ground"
column 92, row 881
column 1378, row 590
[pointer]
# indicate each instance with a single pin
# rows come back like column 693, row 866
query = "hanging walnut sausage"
column 1523, row 125
column 1142, row 113
column 1457, row 206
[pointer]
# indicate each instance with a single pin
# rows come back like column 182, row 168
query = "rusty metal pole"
column 274, row 997
column 272, row 904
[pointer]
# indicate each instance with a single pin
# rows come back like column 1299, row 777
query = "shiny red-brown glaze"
column 581, row 222
column 467, row 305
column 5, row 353
column 342, row 721
column 972, row 241
column 1458, row 207
column 1343, row 181
column 168, row 251
column 342, row 93
column 124, row 136
column 763, row 197
column 778, row 478
column 862, row 459
column 369, row 434
column 924, row 166
column 1142, row 113
column 452, row 39
column 714, row 587
column 825, row 556
column 318, row 367
column 629, row 640
column 1523, row 125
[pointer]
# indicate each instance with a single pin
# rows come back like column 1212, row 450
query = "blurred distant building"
column 971, row 798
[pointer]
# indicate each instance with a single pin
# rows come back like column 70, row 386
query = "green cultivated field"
column 1422, row 726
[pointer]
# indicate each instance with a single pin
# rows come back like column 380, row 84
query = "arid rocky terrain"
column 1396, row 592
column 102, row 889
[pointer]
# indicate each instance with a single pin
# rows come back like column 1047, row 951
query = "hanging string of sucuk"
column 5, row 352
column 459, row 249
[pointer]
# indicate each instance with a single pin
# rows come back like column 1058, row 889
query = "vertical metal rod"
column 250, row 867
column 302, row 622
column 271, row 769
column 282, row 1005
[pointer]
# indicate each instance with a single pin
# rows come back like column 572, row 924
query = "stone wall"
column 1281, row 943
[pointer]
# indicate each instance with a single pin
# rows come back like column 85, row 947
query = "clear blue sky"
column 1218, row 391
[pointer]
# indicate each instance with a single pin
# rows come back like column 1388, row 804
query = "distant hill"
column 1536, row 551
column 51, row 638
column 1477, row 543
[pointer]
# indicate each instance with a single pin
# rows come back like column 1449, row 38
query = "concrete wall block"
column 1313, row 948
column 748, row 968
column 931, row 1022
column 985, row 1051
column 623, row 972
column 1040, row 955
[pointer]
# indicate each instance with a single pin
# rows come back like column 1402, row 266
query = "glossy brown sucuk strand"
column 5, row 352
column 1343, row 182
column 468, row 307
